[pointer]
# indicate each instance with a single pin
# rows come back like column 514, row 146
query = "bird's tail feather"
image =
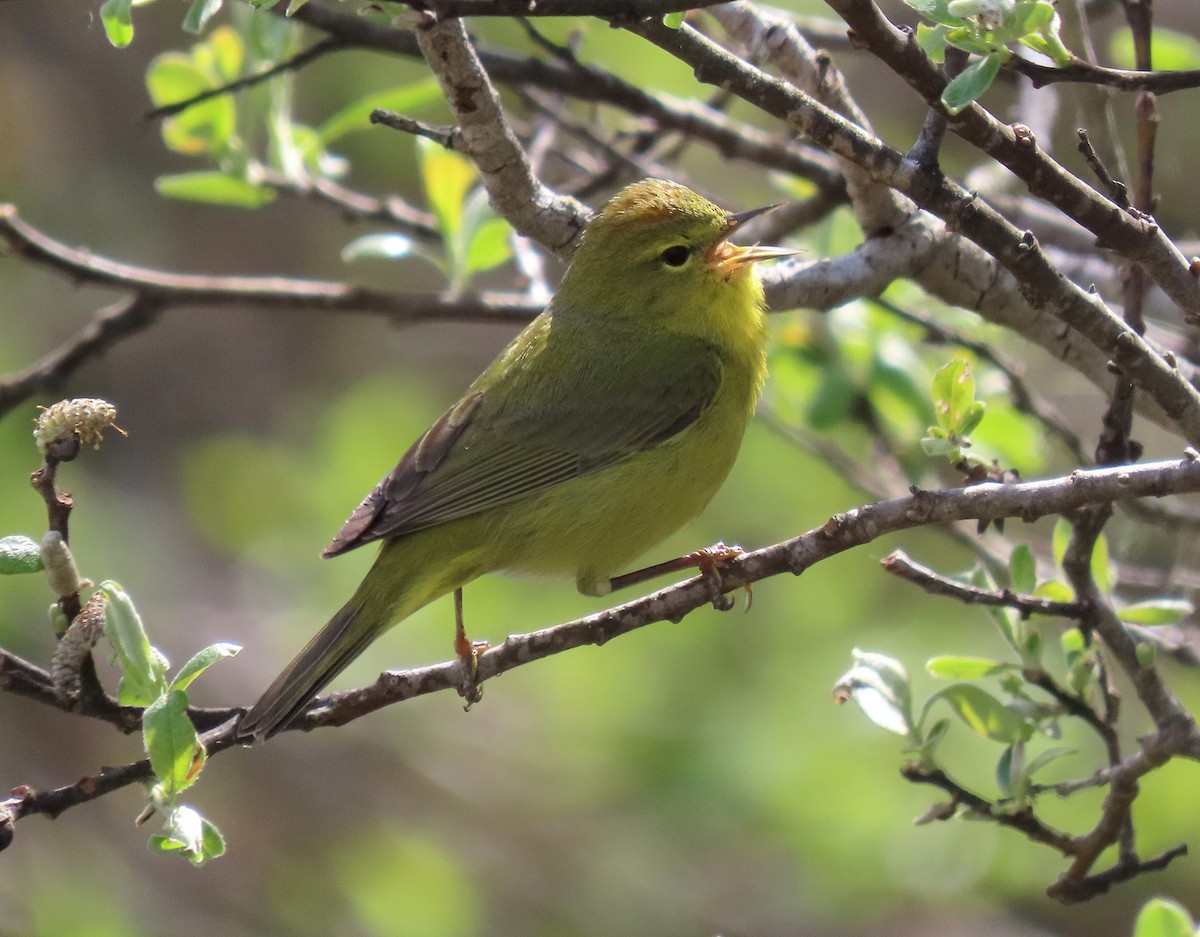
column 407, row 574
column 323, row 658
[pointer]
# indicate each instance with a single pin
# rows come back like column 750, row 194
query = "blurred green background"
column 690, row 779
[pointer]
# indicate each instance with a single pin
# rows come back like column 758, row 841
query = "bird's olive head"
column 657, row 245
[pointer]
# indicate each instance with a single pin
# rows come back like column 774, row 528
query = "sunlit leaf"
column 1060, row 540
column 447, row 176
column 142, row 670
column 936, row 10
column 201, row 661
column 224, row 52
column 953, row 394
column 1156, row 611
column 984, row 713
column 202, row 128
column 118, row 23
column 171, row 742
column 1161, row 917
column 490, row 246
column 190, row 835
column 1101, row 567
column 199, row 13
column 215, row 188
column 1055, row 591
column 965, row 668
column 879, row 685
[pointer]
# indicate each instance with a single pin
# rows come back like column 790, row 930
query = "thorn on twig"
column 442, row 134
column 1116, row 190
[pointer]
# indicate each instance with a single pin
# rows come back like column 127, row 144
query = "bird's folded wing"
column 531, row 422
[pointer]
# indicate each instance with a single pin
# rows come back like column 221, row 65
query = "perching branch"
column 842, row 532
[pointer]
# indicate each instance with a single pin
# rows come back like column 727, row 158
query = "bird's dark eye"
column 676, row 255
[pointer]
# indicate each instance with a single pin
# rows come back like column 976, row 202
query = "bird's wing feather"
column 524, row 426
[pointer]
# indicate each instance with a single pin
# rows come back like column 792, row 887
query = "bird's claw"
column 467, row 652
column 708, row 561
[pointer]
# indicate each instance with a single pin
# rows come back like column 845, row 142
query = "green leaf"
column 1045, row 758
column 1161, row 917
column 973, row 418
column 19, row 554
column 222, row 55
column 933, row 739
column 971, row 82
column 176, row 754
column 953, row 394
column 936, row 10
column 199, row 13
column 1033, row 17
column 200, row 662
column 189, row 835
column 118, row 24
column 969, row 40
column 1060, row 540
column 985, row 714
column 207, row 127
column 1055, row 591
column 935, row 446
column 1173, row 50
column 143, row 670
column 214, row 188
column 1010, row 624
column 384, row 245
column 447, row 177
column 357, row 115
column 1156, row 611
column 879, row 685
column 674, row 20
column 965, row 668
column 1022, row 569
column 490, row 245
column 933, row 40
column 173, row 77
column 1101, row 568
column 1008, row 768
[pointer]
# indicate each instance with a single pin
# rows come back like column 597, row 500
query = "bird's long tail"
column 393, row 589
column 329, row 652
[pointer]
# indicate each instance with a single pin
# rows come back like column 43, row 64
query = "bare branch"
column 1133, row 235
column 1018, row 252
column 552, row 220
column 1081, row 72
column 899, row 564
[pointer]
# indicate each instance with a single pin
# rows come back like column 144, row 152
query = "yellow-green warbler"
column 607, row 424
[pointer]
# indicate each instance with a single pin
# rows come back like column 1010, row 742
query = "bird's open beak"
column 728, row 257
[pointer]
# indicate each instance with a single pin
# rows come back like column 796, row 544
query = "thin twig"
column 296, row 62
column 1081, row 72
column 898, row 563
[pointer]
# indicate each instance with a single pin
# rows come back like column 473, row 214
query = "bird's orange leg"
column 707, row 561
column 467, row 652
